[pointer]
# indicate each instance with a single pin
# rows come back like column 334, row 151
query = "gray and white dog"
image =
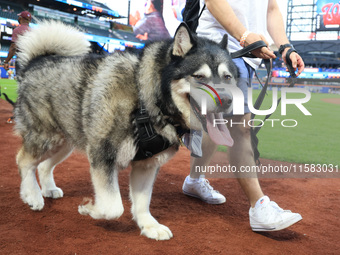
column 71, row 99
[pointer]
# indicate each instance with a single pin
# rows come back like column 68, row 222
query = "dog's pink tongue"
column 220, row 133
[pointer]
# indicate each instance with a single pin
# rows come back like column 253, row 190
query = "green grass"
column 9, row 87
column 316, row 138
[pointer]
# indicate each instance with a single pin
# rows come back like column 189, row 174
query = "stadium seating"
column 4, row 47
column 89, row 25
column 95, row 3
column 9, row 10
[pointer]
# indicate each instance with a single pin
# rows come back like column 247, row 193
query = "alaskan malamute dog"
column 107, row 106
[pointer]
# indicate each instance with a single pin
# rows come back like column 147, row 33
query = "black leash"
column 258, row 103
column 246, row 51
column 260, row 98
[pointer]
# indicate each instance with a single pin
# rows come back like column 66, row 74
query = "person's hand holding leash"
column 264, row 52
column 297, row 61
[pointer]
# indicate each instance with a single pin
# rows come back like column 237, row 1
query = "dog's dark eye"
column 227, row 77
column 198, row 77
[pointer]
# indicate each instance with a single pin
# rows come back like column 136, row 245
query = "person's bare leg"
column 196, row 185
column 208, row 150
column 268, row 216
column 241, row 154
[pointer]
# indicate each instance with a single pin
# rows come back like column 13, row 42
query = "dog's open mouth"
column 218, row 132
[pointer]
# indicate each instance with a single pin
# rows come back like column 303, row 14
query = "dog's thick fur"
column 71, row 99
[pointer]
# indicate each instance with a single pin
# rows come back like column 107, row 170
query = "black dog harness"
column 149, row 142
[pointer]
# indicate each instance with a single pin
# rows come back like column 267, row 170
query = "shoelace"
column 277, row 207
column 206, row 185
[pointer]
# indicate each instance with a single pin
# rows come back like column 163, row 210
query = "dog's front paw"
column 157, row 232
column 53, row 193
column 98, row 212
column 33, row 199
column 30, row 194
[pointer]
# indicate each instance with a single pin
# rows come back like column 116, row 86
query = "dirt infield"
column 331, row 100
column 198, row 228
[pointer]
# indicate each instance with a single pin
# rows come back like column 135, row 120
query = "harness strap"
column 149, row 142
column 143, row 119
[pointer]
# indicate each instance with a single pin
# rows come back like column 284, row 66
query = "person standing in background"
column 24, row 19
column 151, row 27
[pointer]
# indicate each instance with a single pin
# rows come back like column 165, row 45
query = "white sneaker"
column 200, row 188
column 268, row 216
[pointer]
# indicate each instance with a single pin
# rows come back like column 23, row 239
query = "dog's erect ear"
column 183, row 41
column 224, row 42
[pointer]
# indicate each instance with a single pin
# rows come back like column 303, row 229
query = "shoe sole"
column 279, row 227
column 206, row 201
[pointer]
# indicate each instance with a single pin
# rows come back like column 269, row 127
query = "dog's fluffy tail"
column 51, row 38
column 8, row 100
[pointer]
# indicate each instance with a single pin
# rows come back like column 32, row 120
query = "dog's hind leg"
column 45, row 170
column 30, row 191
column 108, row 202
column 142, row 178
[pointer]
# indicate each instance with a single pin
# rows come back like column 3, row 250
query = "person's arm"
column 225, row 15
column 11, row 53
column 275, row 27
column 141, row 29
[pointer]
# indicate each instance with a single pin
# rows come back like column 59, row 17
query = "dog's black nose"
column 226, row 102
